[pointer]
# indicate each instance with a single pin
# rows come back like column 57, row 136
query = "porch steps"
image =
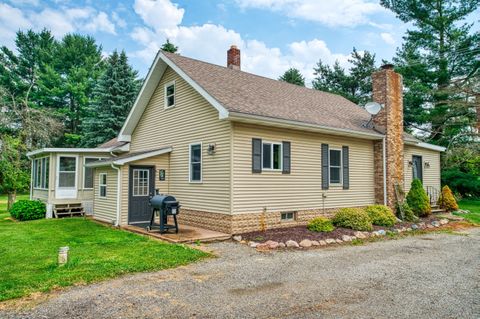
column 63, row 210
column 437, row 210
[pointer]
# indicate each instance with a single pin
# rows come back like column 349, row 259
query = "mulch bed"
column 299, row 233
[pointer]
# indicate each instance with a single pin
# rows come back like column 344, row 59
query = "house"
column 241, row 151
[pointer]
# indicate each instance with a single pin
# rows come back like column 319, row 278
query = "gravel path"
column 431, row 276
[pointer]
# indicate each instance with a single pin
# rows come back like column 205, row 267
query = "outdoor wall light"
column 410, row 163
column 212, row 148
column 426, row 164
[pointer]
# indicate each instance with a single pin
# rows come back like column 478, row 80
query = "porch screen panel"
column 67, row 172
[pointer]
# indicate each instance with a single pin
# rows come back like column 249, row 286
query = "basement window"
column 287, row 216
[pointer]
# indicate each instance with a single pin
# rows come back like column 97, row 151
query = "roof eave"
column 298, row 125
column 68, row 150
column 123, row 161
column 426, row 145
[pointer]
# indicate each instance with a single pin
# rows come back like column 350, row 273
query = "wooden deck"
column 186, row 234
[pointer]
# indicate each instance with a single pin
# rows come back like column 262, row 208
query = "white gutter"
column 119, row 179
column 69, row 150
column 384, row 151
column 271, row 121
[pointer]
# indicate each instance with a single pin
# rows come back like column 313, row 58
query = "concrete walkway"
column 430, row 276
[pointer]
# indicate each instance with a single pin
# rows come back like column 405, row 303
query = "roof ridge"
column 259, row 76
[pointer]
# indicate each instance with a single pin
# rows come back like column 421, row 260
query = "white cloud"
column 388, row 38
column 209, row 42
column 347, row 13
column 25, row 2
column 160, row 14
column 119, row 21
column 59, row 21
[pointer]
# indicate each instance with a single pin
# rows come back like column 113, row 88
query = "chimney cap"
column 233, row 46
column 387, row 66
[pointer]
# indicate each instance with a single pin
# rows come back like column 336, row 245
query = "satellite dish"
column 373, row 108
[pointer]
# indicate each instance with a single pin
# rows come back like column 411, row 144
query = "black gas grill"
column 164, row 206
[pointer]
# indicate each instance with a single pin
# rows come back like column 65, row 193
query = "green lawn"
column 28, row 254
column 474, row 207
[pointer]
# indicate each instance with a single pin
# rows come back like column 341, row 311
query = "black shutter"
column 256, row 155
column 286, row 157
column 346, row 175
column 325, row 175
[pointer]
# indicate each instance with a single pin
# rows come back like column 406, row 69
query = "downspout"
column 384, row 151
column 119, row 178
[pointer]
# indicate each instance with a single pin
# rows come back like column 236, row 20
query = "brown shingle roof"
column 247, row 93
column 111, row 143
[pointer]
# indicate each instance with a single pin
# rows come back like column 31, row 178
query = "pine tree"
column 355, row 85
column 113, row 98
column 169, row 47
column 293, row 76
column 440, row 49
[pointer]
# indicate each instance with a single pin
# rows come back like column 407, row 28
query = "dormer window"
column 170, row 95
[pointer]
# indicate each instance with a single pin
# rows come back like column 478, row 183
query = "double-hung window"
column 102, row 185
column 170, row 94
column 67, row 171
column 335, row 166
column 271, row 156
column 41, row 167
column 195, row 162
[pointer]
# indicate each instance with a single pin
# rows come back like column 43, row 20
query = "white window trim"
column 100, row 185
column 66, row 192
column 190, row 163
column 330, row 165
column 34, row 176
column 148, row 181
column 285, row 220
column 165, row 102
column 271, row 160
column 84, row 171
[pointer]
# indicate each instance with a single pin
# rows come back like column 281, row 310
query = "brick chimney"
column 233, row 58
column 388, row 91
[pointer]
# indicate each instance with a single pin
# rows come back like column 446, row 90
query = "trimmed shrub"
column 418, row 200
column 28, row 210
column 409, row 216
column 381, row 215
column 354, row 218
column 447, row 200
column 320, row 224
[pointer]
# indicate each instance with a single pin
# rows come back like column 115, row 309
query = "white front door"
column 67, row 173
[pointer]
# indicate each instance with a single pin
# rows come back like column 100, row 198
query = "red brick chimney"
column 388, row 91
column 233, row 58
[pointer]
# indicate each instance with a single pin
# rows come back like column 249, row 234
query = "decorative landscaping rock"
column 271, row 244
column 443, row 221
column 330, row 241
column 346, row 238
column 430, row 226
column 253, row 244
column 359, row 235
column 421, row 225
column 382, row 232
column 322, row 243
column 237, row 238
column 281, row 245
column 414, row 226
column 339, row 241
column 353, row 237
column 409, row 229
column 315, row 243
column 435, row 224
column 306, row 243
column 292, row 244
column 375, row 234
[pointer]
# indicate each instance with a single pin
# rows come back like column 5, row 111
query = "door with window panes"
column 141, row 188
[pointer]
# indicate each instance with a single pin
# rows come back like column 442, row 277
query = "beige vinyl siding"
column 105, row 209
column 192, row 120
column 431, row 175
column 301, row 189
column 159, row 162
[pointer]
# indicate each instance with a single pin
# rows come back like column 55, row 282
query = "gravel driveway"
column 431, row 276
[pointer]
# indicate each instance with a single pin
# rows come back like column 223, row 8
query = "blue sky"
column 273, row 35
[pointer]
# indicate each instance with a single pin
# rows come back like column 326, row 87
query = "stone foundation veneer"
column 248, row 222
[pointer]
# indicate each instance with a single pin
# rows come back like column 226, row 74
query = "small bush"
column 409, row 216
column 354, row 218
column 320, row 224
column 381, row 215
column 418, row 200
column 28, row 210
column 447, row 200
